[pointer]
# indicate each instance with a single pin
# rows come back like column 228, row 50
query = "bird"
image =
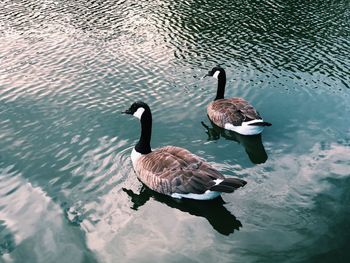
column 234, row 114
column 172, row 170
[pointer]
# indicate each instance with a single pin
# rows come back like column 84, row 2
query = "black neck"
column 143, row 146
column 221, row 87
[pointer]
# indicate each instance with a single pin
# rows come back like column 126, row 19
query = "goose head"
column 137, row 109
column 217, row 73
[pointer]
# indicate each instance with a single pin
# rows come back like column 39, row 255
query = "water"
column 68, row 68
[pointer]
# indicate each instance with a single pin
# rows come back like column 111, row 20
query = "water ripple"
column 68, row 68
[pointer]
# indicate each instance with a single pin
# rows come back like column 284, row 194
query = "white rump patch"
column 139, row 113
column 216, row 74
column 245, row 128
column 207, row 195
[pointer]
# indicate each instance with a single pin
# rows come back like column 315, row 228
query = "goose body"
column 175, row 171
column 235, row 114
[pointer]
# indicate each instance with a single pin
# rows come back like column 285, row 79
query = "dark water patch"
column 291, row 35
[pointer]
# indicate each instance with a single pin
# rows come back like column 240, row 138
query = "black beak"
column 126, row 112
column 206, row 75
column 209, row 74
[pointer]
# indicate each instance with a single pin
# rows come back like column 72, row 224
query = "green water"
column 68, row 68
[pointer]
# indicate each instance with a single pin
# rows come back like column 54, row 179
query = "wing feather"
column 233, row 111
column 173, row 169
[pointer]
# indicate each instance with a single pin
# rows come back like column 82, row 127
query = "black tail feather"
column 222, row 188
column 228, row 185
column 264, row 123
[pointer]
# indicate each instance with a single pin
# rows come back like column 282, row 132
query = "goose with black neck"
column 172, row 170
column 234, row 114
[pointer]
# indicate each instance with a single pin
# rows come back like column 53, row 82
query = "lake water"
column 68, row 192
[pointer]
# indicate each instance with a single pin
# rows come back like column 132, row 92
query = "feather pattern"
column 234, row 114
column 234, row 111
column 171, row 169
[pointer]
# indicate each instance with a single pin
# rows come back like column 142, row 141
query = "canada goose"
column 235, row 114
column 172, row 170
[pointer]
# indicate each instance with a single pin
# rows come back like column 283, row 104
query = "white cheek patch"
column 139, row 113
column 216, row 74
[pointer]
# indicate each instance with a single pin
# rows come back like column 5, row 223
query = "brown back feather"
column 172, row 169
column 233, row 111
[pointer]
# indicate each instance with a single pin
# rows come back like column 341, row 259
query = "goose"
column 172, row 170
column 234, row 114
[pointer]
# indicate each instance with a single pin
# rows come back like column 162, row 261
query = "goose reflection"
column 213, row 210
column 252, row 143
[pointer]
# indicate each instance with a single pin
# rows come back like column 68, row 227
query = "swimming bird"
column 234, row 114
column 172, row 170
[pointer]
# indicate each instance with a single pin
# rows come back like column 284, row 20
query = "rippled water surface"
column 68, row 68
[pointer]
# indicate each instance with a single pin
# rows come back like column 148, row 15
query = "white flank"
column 207, row 195
column 216, row 74
column 245, row 128
column 135, row 156
column 139, row 113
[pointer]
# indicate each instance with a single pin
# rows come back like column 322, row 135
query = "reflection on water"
column 32, row 223
column 7, row 243
column 252, row 143
column 213, row 210
column 68, row 67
